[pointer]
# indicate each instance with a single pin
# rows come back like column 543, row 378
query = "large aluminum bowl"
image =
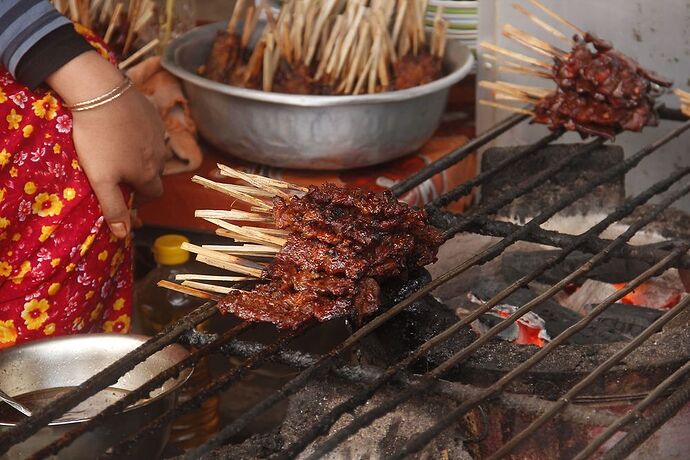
column 310, row 132
column 65, row 362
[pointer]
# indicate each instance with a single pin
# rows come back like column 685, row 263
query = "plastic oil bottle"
column 157, row 307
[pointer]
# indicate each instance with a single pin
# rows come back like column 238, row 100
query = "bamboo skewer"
column 515, row 56
column 114, row 18
column 558, row 18
column 235, row 17
column 232, row 192
column 202, row 277
column 532, row 42
column 244, row 249
column 208, row 287
column 509, row 108
column 233, row 214
column 232, row 263
column 138, row 54
column 512, row 88
column 254, row 234
column 552, row 30
column 188, row 290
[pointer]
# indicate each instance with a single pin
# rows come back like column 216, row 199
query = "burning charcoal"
column 659, row 293
column 557, row 317
column 530, row 329
column 605, row 197
column 625, row 319
column 515, row 265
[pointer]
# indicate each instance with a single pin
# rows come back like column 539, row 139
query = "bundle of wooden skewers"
column 253, row 228
column 329, row 47
column 599, row 91
column 129, row 27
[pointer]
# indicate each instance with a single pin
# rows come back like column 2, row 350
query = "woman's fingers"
column 113, row 207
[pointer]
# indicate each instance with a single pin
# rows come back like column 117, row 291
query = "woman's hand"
column 121, row 142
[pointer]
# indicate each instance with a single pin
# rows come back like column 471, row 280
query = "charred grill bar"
column 478, row 221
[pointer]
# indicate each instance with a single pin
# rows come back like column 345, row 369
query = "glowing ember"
column 530, row 329
column 651, row 294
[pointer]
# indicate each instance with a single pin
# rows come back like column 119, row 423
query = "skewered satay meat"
column 600, row 91
column 224, row 55
column 343, row 244
column 411, row 71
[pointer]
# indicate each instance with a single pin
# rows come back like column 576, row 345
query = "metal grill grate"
column 469, row 397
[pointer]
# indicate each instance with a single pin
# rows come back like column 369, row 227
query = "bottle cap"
column 167, row 250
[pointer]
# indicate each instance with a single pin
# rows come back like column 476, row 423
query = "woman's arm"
column 120, row 142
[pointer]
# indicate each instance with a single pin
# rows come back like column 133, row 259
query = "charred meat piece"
column 411, row 71
column 225, row 53
column 343, row 244
column 600, row 92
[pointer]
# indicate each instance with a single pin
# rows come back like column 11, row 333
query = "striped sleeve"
column 31, row 29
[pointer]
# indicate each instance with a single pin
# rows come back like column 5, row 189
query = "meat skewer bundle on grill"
column 330, row 47
column 331, row 248
column 599, row 91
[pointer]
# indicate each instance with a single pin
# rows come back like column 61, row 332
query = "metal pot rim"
column 170, row 62
column 182, row 377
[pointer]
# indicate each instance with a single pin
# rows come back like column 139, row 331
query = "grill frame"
column 477, row 220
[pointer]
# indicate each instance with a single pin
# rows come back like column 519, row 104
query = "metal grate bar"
column 606, row 365
column 646, row 428
column 636, row 413
column 103, row 379
column 209, row 389
column 142, row 392
column 607, row 176
column 421, row 439
column 529, row 185
column 599, row 257
column 467, row 186
column 648, row 254
column 362, row 397
column 457, row 155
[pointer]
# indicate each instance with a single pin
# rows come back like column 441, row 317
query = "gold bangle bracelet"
column 102, row 99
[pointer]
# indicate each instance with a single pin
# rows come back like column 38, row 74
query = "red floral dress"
column 61, row 269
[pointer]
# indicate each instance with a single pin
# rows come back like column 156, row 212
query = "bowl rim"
column 183, row 376
column 169, row 61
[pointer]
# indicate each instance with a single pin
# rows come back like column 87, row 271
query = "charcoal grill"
column 670, row 390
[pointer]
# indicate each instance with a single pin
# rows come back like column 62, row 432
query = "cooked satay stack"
column 599, row 91
column 320, row 252
column 120, row 23
column 330, row 47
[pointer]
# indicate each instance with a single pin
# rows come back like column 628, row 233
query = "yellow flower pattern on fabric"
column 13, row 119
column 47, row 205
column 49, row 329
column 46, row 231
column 46, row 107
column 55, row 248
column 4, row 157
column 24, row 268
column 121, row 325
column 86, row 244
column 96, row 313
column 35, row 313
column 119, row 304
column 54, row 288
column 8, row 333
column 5, row 269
